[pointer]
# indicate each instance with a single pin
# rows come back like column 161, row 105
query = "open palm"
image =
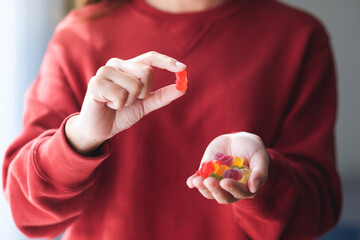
column 246, row 145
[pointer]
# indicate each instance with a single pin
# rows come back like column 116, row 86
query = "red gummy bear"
column 181, row 81
column 206, row 169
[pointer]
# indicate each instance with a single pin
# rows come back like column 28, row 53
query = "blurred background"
column 26, row 27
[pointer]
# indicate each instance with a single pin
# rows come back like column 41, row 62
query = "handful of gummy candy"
column 225, row 166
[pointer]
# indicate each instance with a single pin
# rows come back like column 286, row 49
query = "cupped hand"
column 117, row 97
column 226, row 191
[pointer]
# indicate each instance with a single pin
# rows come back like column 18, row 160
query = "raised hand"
column 117, row 97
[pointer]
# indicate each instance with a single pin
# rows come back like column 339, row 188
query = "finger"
column 220, row 195
column 142, row 72
column 132, row 85
column 107, row 92
column 259, row 164
column 161, row 98
column 199, row 184
column 236, row 189
column 190, row 180
column 158, row 60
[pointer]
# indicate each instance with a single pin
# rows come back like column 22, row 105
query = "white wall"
column 25, row 27
column 8, row 100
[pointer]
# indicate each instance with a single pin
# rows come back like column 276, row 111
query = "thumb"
column 259, row 171
column 161, row 98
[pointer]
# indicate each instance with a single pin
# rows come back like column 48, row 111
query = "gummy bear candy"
column 221, row 170
column 238, row 162
column 225, row 166
column 233, row 173
column 181, row 81
column 206, row 169
column 245, row 175
column 216, row 164
column 224, row 159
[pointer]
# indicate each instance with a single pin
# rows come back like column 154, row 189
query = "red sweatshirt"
column 253, row 65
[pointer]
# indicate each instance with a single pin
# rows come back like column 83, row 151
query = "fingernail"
column 256, row 186
column 179, row 64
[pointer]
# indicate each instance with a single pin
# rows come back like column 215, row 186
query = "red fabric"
column 256, row 66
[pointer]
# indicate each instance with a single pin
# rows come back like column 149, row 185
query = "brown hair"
column 108, row 7
column 86, row 2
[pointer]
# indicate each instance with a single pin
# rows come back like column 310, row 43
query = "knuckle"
column 147, row 71
column 257, row 138
column 122, row 95
column 254, row 137
column 158, row 99
column 138, row 87
column 94, row 82
column 112, row 61
column 152, row 53
column 101, row 71
column 122, row 98
column 171, row 60
column 104, row 70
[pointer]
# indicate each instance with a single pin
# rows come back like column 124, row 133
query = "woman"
column 257, row 68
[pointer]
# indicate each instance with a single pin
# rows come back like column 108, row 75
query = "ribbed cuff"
column 57, row 163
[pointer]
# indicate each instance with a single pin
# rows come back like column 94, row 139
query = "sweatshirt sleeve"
column 302, row 196
column 46, row 183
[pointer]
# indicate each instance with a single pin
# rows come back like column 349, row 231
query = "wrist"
column 77, row 140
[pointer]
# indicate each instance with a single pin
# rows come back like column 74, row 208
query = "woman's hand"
column 117, row 97
column 246, row 145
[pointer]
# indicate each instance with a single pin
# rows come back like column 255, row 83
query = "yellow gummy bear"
column 245, row 176
column 221, row 170
column 238, row 161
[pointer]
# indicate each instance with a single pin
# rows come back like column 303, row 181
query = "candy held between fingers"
column 181, row 81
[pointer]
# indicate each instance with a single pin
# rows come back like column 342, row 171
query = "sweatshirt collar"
column 213, row 14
